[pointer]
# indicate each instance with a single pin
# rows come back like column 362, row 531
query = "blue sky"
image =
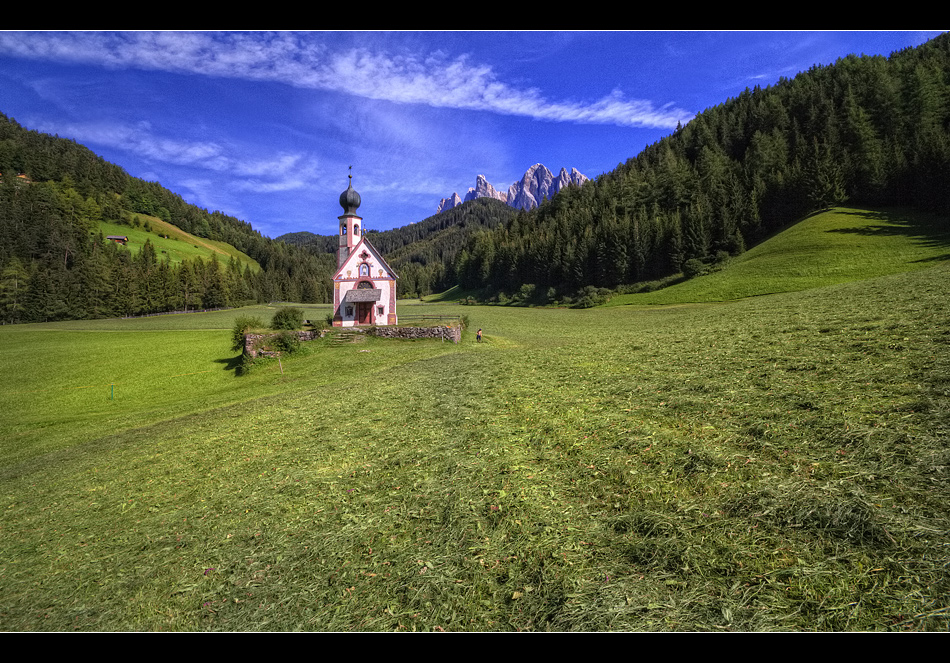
column 265, row 125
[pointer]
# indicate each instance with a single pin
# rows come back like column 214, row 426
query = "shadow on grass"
column 940, row 258
column 932, row 231
column 234, row 364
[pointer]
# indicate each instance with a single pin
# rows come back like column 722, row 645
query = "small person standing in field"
column 478, row 335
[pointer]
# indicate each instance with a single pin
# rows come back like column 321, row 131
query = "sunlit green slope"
column 838, row 246
column 174, row 243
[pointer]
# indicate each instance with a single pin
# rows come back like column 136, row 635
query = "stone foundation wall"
column 446, row 333
column 253, row 342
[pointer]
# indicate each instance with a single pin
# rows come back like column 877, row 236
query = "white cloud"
column 282, row 172
column 262, row 186
column 301, row 60
column 140, row 140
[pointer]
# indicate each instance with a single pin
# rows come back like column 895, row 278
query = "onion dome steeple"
column 350, row 199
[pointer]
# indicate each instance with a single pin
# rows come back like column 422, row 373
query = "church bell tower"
column 350, row 223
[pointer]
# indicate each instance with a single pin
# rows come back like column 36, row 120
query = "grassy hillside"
column 838, row 246
column 771, row 463
column 174, row 243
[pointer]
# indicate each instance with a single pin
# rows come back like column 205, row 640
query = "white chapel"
column 364, row 286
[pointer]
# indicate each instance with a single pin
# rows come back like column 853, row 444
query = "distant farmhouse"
column 19, row 180
column 364, row 286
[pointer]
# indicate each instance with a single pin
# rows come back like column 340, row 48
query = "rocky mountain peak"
column 537, row 184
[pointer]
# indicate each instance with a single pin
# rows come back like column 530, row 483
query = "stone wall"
column 255, row 345
column 444, row 332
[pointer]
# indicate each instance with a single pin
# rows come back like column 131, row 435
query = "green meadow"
column 773, row 456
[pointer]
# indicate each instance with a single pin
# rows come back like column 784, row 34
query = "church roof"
column 350, row 200
column 363, row 295
column 377, row 256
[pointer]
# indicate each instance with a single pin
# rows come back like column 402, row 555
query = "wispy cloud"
column 139, row 138
column 303, row 60
column 279, row 172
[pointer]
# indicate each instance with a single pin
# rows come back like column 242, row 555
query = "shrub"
column 244, row 366
column 286, row 342
column 525, row 294
column 694, row 267
column 590, row 296
column 287, row 318
column 241, row 327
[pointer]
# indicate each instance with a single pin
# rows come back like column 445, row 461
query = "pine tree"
column 14, row 281
column 824, row 180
